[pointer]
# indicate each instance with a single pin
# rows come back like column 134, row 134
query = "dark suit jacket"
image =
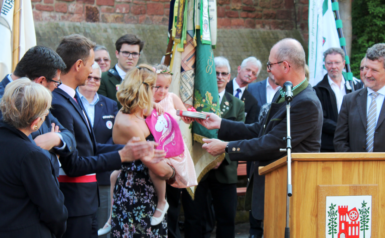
column 232, row 109
column 108, row 84
column 67, row 136
column 350, row 133
column 251, row 104
column 260, row 142
column 258, row 90
column 329, row 106
column 82, row 198
column 3, row 84
column 105, row 112
column 31, row 203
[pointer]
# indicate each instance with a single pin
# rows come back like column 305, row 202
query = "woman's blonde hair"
column 135, row 92
column 24, row 101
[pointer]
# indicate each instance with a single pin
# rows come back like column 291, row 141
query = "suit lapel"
column 114, row 80
column 381, row 117
column 229, row 87
column 262, row 92
column 98, row 112
column 361, row 106
column 226, row 104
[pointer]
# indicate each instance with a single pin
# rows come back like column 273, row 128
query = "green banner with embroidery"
column 205, row 89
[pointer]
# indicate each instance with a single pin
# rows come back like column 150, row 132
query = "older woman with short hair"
column 32, row 204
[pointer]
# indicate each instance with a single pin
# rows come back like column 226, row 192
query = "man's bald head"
column 290, row 50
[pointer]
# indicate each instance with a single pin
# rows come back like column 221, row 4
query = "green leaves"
column 332, row 220
column 368, row 23
column 364, row 217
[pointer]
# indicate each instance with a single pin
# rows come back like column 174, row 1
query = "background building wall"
column 245, row 27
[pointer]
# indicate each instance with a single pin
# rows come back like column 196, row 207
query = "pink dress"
column 184, row 167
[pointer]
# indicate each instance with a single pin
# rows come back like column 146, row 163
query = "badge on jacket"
column 109, row 124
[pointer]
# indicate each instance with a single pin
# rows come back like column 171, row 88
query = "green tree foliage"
column 332, row 220
column 364, row 217
column 368, row 29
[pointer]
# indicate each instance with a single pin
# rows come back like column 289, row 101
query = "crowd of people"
column 81, row 157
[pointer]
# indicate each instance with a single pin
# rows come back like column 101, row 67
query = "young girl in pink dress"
column 183, row 164
column 184, row 167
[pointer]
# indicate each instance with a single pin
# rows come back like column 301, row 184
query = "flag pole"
column 16, row 35
column 349, row 74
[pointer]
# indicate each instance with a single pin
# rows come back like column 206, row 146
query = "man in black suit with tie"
column 330, row 91
column 361, row 126
column 260, row 142
column 43, row 66
column 128, row 48
column 77, row 175
column 248, row 71
column 101, row 111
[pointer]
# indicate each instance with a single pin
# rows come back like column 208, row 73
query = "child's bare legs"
column 160, row 189
column 113, row 178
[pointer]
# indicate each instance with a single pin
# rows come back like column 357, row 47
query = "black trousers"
column 173, row 199
column 225, row 205
column 256, row 227
column 82, row 227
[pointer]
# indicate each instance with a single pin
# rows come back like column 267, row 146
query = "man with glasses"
column 330, row 92
column 102, row 57
column 52, row 137
column 248, row 71
column 128, row 48
column 260, row 142
column 222, row 179
column 101, row 111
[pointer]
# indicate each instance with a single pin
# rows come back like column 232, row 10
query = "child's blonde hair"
column 135, row 92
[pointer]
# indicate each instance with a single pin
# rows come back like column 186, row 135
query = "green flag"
column 205, row 88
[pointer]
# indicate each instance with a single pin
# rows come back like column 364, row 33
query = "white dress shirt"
column 235, row 87
column 379, row 101
column 339, row 91
column 270, row 92
column 121, row 72
column 221, row 95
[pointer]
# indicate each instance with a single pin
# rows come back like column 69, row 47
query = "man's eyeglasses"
column 58, row 83
column 128, row 54
column 269, row 65
column 224, row 74
column 96, row 79
column 102, row 59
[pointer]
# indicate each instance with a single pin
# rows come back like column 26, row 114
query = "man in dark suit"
column 330, row 92
column 128, row 48
column 101, row 111
column 52, row 137
column 264, row 92
column 360, row 126
column 77, row 176
column 248, row 71
column 222, row 180
column 261, row 142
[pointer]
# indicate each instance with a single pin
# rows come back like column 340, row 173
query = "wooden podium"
column 314, row 177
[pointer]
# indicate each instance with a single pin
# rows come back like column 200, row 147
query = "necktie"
column 371, row 123
column 238, row 92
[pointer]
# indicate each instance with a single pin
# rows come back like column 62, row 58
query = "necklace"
column 140, row 117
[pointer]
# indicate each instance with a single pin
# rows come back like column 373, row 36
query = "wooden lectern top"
column 318, row 157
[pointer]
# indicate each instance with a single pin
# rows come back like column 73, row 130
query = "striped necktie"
column 371, row 123
column 238, row 92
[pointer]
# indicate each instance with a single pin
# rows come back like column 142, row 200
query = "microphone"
column 287, row 87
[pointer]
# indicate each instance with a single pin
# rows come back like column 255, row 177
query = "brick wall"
column 254, row 14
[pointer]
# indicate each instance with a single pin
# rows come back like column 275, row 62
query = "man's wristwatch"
column 227, row 148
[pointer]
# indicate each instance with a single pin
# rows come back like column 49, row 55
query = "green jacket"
column 232, row 109
column 108, row 84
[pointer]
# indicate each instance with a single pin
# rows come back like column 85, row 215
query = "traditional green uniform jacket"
column 109, row 84
column 232, row 109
